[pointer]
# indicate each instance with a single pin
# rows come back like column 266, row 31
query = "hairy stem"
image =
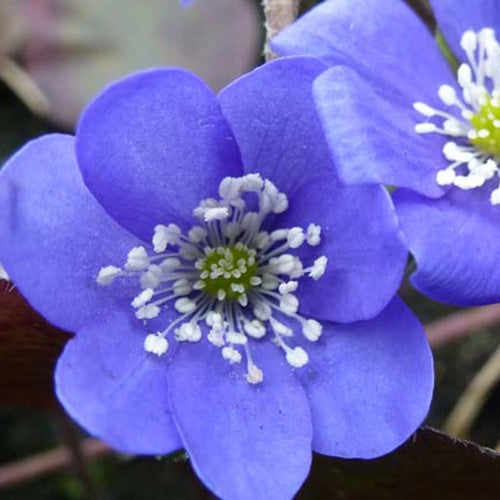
column 278, row 15
column 463, row 416
column 23, row 86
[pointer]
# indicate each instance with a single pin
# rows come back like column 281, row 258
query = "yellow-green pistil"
column 486, row 123
column 228, row 271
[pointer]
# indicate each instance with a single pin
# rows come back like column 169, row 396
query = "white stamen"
column 472, row 162
column 252, row 183
column 155, row 344
column 105, row 277
column 137, row 259
column 468, row 42
column 143, row 298
column 312, row 330
column 255, row 328
column 313, row 235
column 236, row 338
column 217, row 213
column 152, row 277
column 425, row 128
column 288, row 287
column 230, row 188
column 231, row 354
column 227, row 273
column 424, row 109
column 262, row 311
column 254, row 374
column 318, row 268
column 170, row 264
column 495, row 197
column 149, row 311
column 445, row 177
column 185, row 305
column 188, row 332
column 447, row 94
column 296, row 237
column 165, row 235
column 197, row 234
column 280, row 329
column 297, row 357
column 289, row 304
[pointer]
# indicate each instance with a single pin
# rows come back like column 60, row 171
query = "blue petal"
column 273, row 116
column 152, row 146
column 455, row 244
column 119, row 393
column 245, row 441
column 454, row 18
column 369, row 384
column 380, row 38
column 361, row 239
column 54, row 236
column 372, row 139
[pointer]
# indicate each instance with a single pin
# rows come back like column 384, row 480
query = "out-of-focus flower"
column 259, row 324
column 395, row 114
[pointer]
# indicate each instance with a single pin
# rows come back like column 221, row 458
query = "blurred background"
column 54, row 56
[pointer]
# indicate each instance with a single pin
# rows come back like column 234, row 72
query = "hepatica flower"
column 395, row 113
column 228, row 296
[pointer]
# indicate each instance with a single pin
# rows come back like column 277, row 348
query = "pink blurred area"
column 72, row 48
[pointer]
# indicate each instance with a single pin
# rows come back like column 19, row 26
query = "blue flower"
column 395, row 113
column 228, row 295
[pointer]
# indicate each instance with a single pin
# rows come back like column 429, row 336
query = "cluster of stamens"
column 227, row 277
column 474, row 154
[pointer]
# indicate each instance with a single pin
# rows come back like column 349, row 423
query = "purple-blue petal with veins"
column 55, row 237
column 360, row 237
column 372, row 139
column 274, row 120
column 454, row 241
column 454, row 18
column 245, row 441
column 116, row 390
column 369, row 383
column 382, row 39
column 152, row 146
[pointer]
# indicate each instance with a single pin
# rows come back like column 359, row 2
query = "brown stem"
column 278, row 15
column 33, row 467
column 23, row 86
column 464, row 414
column 460, row 324
column 70, row 438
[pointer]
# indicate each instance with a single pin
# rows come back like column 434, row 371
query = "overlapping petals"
column 360, row 232
column 381, row 368
column 382, row 60
column 455, row 18
column 54, row 235
column 150, row 145
column 150, row 148
column 455, row 242
column 115, row 389
column 245, row 441
column 382, row 39
column 373, row 139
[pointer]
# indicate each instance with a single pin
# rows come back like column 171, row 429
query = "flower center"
column 228, row 277
column 228, row 272
column 474, row 126
column 486, row 123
